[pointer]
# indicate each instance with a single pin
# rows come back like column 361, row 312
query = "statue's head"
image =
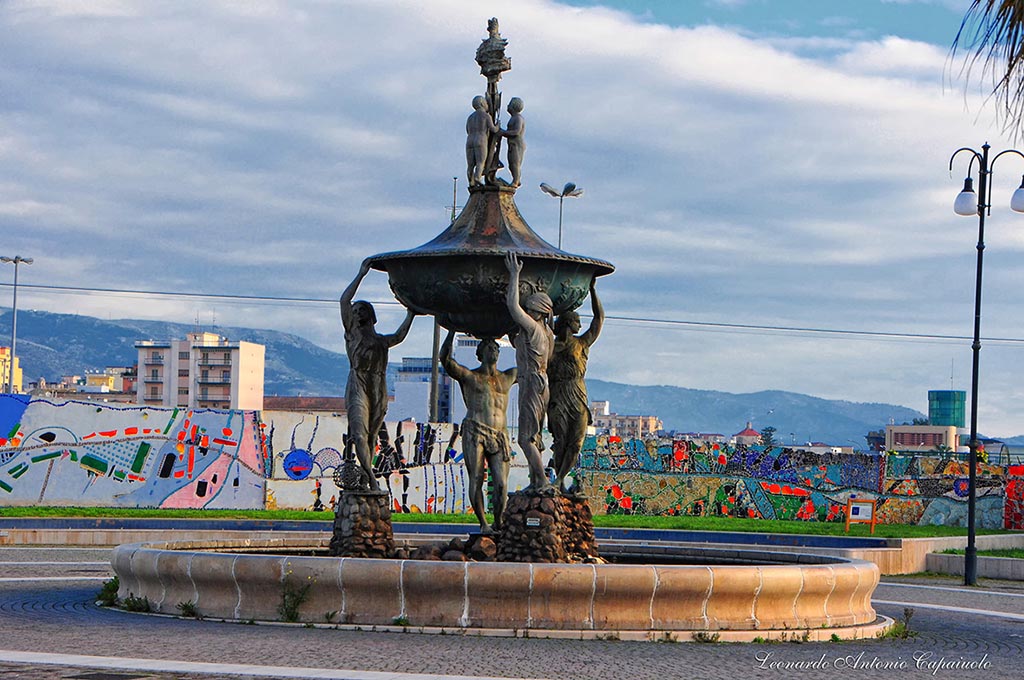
column 539, row 305
column 363, row 313
column 567, row 322
column 479, row 103
column 487, row 351
column 515, row 105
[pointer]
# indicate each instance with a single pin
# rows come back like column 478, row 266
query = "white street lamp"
column 570, row 190
column 16, row 260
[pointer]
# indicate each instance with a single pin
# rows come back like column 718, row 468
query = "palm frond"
column 992, row 31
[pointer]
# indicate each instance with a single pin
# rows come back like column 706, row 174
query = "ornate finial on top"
column 491, row 53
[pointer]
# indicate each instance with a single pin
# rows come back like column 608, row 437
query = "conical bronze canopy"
column 461, row 278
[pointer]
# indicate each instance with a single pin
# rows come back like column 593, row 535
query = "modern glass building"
column 946, row 407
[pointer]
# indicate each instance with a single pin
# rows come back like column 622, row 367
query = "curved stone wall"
column 243, row 580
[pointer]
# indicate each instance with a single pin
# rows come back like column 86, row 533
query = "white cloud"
column 266, row 148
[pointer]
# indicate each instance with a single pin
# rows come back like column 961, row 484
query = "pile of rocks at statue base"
column 535, row 528
column 362, row 525
column 538, row 527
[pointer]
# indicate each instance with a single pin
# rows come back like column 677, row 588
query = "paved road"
column 58, row 616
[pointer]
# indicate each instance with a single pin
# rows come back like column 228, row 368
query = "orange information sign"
column 860, row 510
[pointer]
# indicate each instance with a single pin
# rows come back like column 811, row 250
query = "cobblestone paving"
column 61, row 617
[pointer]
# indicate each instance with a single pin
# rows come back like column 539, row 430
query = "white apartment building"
column 5, row 372
column 204, row 370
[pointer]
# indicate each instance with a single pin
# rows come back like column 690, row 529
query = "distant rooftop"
column 325, row 404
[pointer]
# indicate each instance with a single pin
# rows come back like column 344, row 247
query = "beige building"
column 5, row 371
column 627, row 427
column 203, row 371
column 917, row 438
column 748, row 436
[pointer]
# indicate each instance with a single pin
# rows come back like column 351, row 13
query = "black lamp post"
column 968, row 204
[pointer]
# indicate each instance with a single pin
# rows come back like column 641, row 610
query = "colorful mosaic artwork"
column 85, row 453
column 673, row 477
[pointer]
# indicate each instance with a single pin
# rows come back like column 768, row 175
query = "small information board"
column 860, row 510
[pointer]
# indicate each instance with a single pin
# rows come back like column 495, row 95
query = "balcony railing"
column 152, row 379
column 214, row 381
column 214, row 362
column 154, row 361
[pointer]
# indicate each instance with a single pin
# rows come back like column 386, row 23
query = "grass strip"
column 610, row 521
column 1015, row 553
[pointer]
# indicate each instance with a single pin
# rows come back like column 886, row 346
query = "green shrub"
column 107, row 597
column 189, row 610
column 292, row 597
column 135, row 604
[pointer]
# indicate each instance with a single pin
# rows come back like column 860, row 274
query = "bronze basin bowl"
column 461, row 277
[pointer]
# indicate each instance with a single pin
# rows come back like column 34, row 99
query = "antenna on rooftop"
column 453, row 208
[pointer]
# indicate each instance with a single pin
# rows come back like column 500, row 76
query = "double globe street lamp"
column 968, row 203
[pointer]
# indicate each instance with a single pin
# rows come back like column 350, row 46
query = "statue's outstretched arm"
column 598, row 323
column 403, row 330
column 454, row 368
column 350, row 292
column 517, row 313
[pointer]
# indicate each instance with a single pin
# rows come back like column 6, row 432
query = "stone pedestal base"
column 578, row 534
column 545, row 528
column 362, row 525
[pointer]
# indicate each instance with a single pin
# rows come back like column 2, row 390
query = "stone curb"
column 1005, row 568
column 867, row 631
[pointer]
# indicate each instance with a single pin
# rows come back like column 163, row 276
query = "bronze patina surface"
column 460, row 275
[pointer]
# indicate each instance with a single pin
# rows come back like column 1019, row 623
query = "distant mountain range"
column 51, row 345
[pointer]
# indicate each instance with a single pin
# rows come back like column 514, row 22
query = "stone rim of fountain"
column 796, row 595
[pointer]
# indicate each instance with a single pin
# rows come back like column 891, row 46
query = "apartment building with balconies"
column 205, row 370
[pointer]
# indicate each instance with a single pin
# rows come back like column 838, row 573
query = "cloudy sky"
column 765, row 163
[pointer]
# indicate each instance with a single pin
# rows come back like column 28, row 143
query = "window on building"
column 182, row 372
column 155, row 374
column 205, row 375
column 227, row 357
column 225, row 376
column 183, row 356
column 154, row 392
column 182, row 390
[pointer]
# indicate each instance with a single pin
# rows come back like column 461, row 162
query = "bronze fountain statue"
column 490, row 275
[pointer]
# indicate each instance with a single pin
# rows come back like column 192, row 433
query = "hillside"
column 793, row 415
column 52, row 345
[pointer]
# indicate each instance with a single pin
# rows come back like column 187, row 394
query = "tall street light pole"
column 16, row 260
column 435, row 387
column 968, row 204
column 570, row 190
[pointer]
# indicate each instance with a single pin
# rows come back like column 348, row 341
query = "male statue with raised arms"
column 484, row 431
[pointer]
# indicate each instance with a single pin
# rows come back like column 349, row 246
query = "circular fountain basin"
column 737, row 594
